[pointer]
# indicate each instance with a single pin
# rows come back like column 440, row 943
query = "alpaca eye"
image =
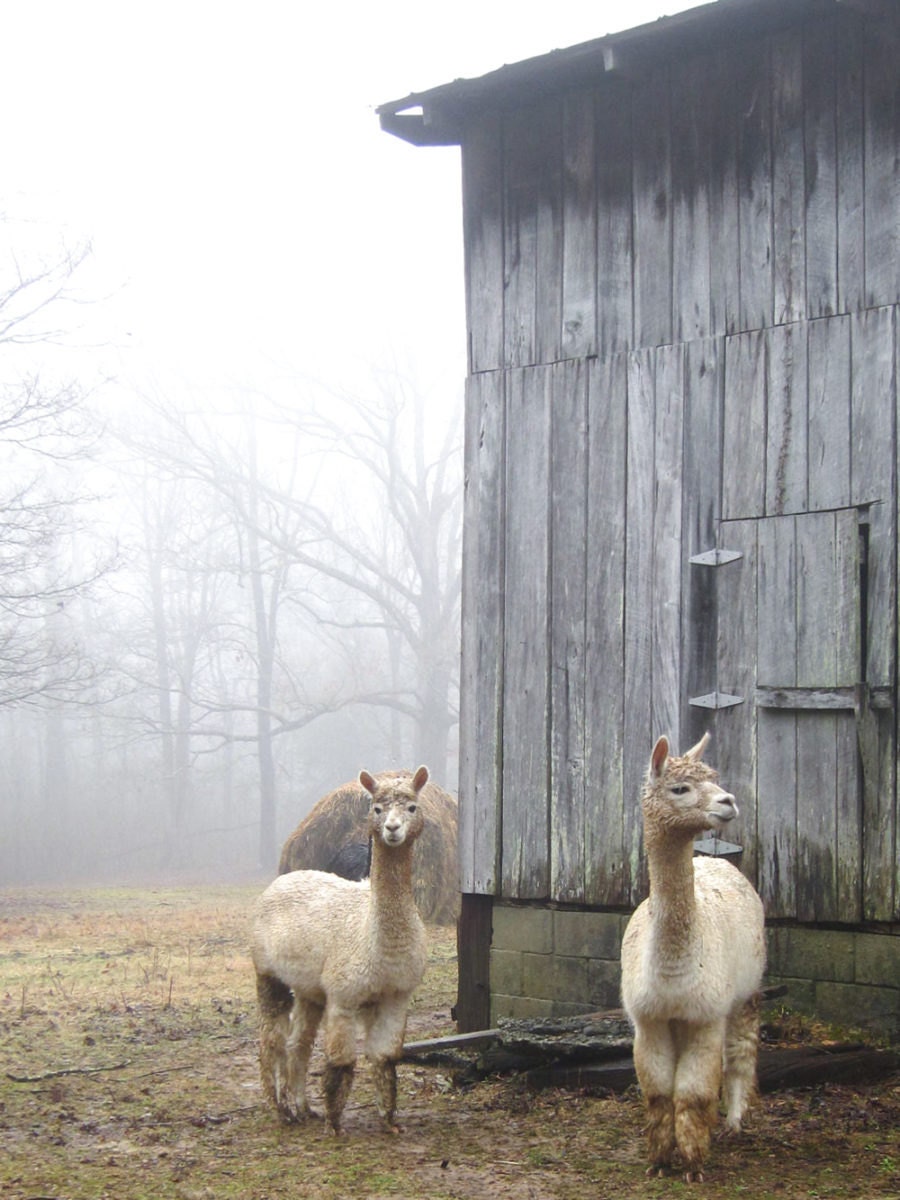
column 679, row 789
column 376, row 809
column 410, row 808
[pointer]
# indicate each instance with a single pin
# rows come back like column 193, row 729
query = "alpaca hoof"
column 657, row 1171
column 693, row 1177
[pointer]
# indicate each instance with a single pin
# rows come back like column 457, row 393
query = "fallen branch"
column 66, row 1071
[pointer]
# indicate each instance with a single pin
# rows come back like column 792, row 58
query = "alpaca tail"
column 739, row 1066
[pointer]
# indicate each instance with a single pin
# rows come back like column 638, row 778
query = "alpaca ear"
column 659, row 756
column 420, row 779
column 367, row 782
column 696, row 752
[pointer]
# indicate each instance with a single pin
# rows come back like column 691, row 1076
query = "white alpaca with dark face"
column 344, row 954
column 693, row 957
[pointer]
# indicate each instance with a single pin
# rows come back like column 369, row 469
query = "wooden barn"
column 682, row 250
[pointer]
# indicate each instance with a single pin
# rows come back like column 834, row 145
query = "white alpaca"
column 693, row 957
column 351, row 952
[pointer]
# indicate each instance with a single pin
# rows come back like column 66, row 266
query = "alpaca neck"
column 672, row 900
column 391, row 878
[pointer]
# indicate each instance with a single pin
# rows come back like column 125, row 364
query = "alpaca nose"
column 728, row 802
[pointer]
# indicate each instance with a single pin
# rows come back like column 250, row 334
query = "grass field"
column 130, row 1072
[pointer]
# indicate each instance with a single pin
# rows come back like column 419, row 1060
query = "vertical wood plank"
column 882, row 159
column 744, row 427
column 525, row 719
column 667, row 541
column 735, row 735
column 777, row 812
column 724, row 266
column 691, row 242
column 652, row 211
column 816, row 817
column 607, row 802
column 821, row 166
column 788, row 178
column 639, row 734
column 579, row 218
column 873, row 462
column 752, row 92
column 532, row 234
column 786, row 426
column 850, row 157
column 482, row 186
column 701, row 501
column 482, row 635
column 615, row 220
column 829, row 413
column 568, row 540
column 777, row 591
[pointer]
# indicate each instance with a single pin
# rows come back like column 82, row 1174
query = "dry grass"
column 130, row 1073
column 340, row 818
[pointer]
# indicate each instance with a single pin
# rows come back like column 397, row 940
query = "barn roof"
column 437, row 117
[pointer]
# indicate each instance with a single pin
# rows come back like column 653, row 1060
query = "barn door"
column 791, row 634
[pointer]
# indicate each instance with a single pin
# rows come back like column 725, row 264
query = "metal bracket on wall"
column 715, row 558
column 715, row 700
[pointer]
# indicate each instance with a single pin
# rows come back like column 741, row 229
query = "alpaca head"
column 395, row 815
column 682, row 794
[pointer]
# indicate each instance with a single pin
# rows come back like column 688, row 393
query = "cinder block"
column 506, row 972
column 516, row 928
column 859, row 1006
column 811, row 953
column 551, row 977
column 519, row 1007
column 587, row 934
column 604, row 983
column 878, row 959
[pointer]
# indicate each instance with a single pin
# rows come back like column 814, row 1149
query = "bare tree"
column 44, row 429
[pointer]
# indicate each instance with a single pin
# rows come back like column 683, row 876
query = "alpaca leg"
column 286, row 1033
column 384, row 1046
column 739, row 1084
column 697, row 1080
column 654, row 1061
column 305, row 1018
column 340, row 1054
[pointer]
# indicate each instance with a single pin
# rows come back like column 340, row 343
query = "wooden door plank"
column 786, row 425
column 606, row 801
column 744, row 427
column 816, row 867
column 734, row 746
column 829, row 410
column 777, row 812
column 850, row 159
column 724, row 265
column 568, row 539
column 482, row 635
column 701, row 502
column 777, row 610
column 525, row 767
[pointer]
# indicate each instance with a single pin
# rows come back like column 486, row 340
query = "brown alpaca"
column 349, row 953
column 693, row 956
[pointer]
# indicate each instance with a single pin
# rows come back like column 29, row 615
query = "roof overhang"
column 438, row 117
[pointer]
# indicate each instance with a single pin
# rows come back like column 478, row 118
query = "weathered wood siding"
column 682, row 289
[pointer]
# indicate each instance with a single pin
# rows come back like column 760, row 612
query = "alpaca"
column 693, row 956
column 349, row 952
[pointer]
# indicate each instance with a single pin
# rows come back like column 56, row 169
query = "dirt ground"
column 129, row 1071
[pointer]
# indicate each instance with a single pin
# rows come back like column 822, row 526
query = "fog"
column 233, row 347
